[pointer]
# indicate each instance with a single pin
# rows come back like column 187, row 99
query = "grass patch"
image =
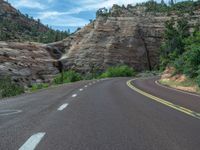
column 8, row 88
column 118, row 71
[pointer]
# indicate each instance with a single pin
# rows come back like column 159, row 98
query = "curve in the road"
column 165, row 102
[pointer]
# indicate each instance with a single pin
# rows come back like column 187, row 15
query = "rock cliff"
column 130, row 37
column 26, row 63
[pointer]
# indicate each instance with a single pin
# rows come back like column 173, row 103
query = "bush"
column 198, row 80
column 118, row 71
column 36, row 87
column 8, row 88
column 198, row 77
column 68, row 76
column 178, row 64
column 188, row 63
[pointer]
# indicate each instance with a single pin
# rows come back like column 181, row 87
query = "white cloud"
column 67, row 21
column 54, row 18
column 50, row 14
column 29, row 4
column 93, row 5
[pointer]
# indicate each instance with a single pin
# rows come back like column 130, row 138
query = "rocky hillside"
column 130, row 36
column 15, row 26
column 26, row 63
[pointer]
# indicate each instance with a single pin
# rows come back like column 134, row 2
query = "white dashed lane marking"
column 62, row 107
column 74, row 95
column 9, row 112
column 80, row 89
column 33, row 141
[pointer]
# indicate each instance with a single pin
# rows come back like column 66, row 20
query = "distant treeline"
column 15, row 31
column 153, row 6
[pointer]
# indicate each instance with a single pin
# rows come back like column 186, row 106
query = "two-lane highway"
column 99, row 115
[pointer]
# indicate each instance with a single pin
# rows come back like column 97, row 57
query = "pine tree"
column 171, row 2
column 162, row 2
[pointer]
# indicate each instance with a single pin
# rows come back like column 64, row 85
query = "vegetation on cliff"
column 180, row 7
column 11, row 30
column 152, row 6
column 181, row 49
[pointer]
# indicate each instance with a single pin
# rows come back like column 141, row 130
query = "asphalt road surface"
column 100, row 115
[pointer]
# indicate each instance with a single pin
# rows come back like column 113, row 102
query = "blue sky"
column 65, row 14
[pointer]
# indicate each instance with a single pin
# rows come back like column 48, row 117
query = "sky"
column 65, row 14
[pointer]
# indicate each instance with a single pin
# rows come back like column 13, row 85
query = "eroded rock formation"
column 132, row 37
column 26, row 63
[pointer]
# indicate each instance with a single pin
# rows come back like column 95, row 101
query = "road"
column 100, row 115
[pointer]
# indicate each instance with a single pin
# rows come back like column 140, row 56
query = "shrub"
column 36, row 87
column 118, row 71
column 178, row 64
column 198, row 80
column 198, row 77
column 191, row 56
column 68, row 76
column 8, row 88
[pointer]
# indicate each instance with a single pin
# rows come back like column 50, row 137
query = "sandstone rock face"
column 114, row 41
column 26, row 63
column 123, row 38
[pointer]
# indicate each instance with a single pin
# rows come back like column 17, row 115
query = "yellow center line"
column 165, row 102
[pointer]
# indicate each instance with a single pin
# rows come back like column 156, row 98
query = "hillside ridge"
column 15, row 26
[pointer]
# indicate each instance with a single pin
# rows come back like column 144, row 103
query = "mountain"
column 15, row 26
column 129, row 35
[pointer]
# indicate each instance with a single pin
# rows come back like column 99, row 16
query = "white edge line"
column 74, row 95
column 62, row 107
column 33, row 141
column 175, row 89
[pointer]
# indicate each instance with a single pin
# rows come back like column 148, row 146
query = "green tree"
column 162, row 2
column 174, row 44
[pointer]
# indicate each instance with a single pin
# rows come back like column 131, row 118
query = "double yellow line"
column 167, row 103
